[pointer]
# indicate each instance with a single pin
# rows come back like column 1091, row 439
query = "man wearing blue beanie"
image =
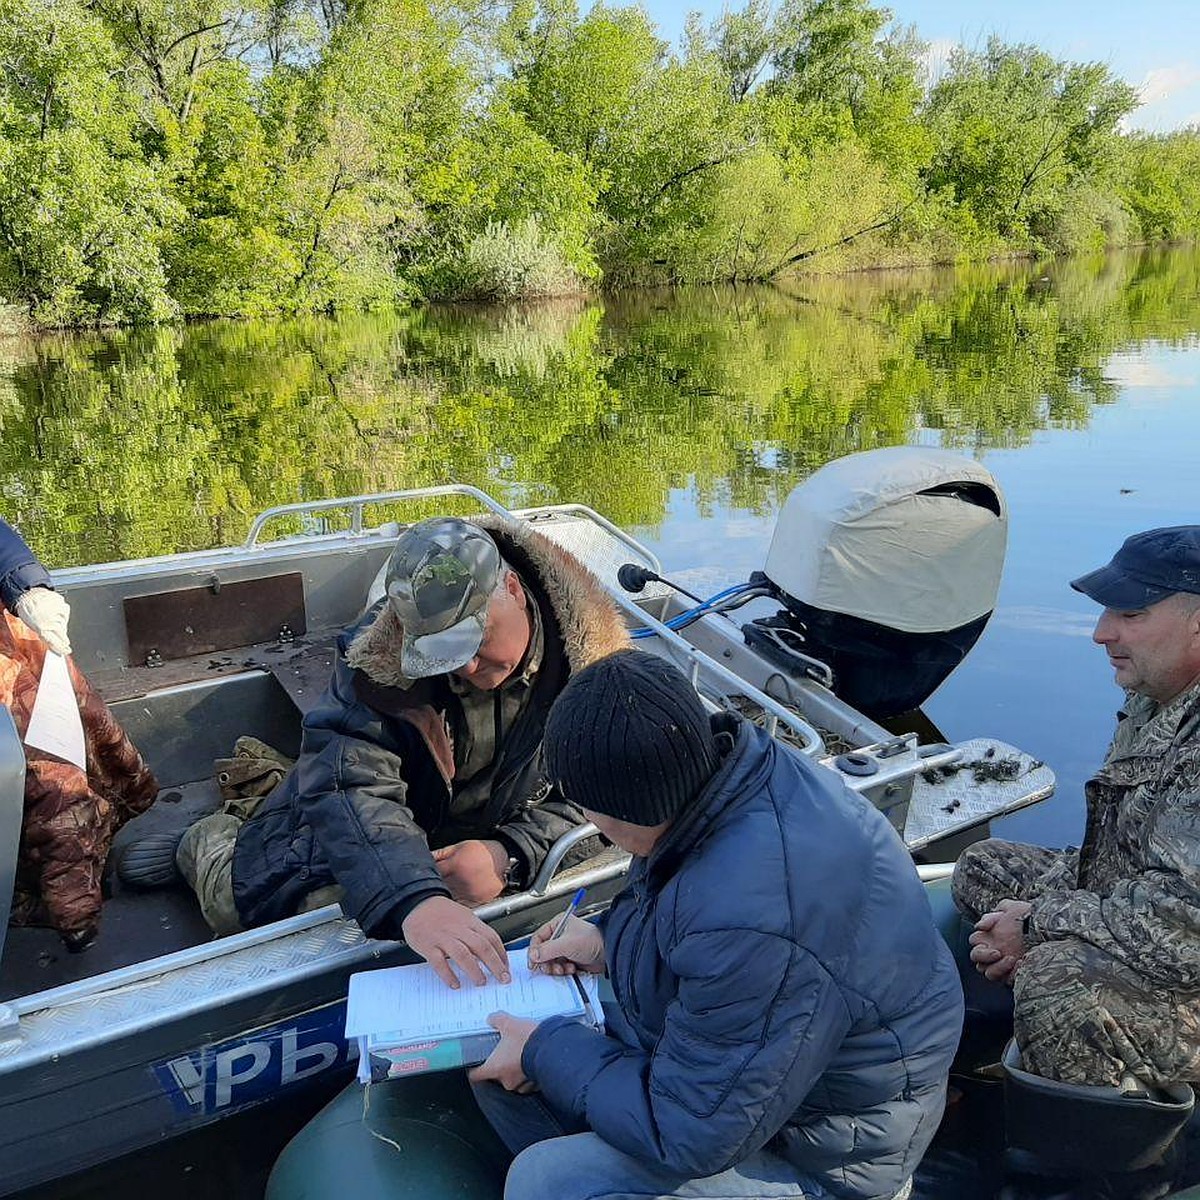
column 785, row 1012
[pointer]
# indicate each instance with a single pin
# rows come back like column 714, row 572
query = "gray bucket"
column 1075, row 1129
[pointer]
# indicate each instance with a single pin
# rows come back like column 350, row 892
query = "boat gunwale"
column 361, row 949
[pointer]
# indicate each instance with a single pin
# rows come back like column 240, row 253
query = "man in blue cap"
column 1102, row 944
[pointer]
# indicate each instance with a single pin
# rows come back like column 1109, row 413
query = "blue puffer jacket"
column 777, row 959
column 19, row 567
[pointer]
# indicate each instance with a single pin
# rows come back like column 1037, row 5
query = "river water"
column 686, row 417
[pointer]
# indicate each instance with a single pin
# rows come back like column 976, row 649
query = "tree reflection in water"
column 132, row 443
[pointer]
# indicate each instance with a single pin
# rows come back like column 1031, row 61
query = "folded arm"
column 1150, row 921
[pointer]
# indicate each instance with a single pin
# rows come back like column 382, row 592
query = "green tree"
column 649, row 128
column 1018, row 130
column 1161, row 171
column 839, row 144
column 83, row 211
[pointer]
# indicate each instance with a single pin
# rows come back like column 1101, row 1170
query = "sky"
column 1153, row 44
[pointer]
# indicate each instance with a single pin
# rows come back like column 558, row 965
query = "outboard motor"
column 888, row 563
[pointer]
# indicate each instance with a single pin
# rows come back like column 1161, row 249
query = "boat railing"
column 357, row 505
column 708, row 675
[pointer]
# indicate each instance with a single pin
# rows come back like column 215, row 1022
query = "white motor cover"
column 857, row 537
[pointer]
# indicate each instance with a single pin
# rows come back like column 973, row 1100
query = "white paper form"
column 402, row 1004
column 55, row 724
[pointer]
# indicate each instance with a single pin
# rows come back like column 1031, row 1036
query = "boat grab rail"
column 590, row 514
column 356, row 504
column 555, row 855
column 691, row 661
column 687, row 656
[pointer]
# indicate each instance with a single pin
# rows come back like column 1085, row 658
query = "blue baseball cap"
column 1148, row 568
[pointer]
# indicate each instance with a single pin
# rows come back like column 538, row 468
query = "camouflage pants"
column 205, row 853
column 205, row 860
column 1079, row 1014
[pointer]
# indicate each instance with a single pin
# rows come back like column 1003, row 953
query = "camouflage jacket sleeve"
column 1151, row 920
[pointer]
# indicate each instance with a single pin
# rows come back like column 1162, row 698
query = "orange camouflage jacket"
column 70, row 815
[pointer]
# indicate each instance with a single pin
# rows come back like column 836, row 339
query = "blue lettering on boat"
column 244, row 1070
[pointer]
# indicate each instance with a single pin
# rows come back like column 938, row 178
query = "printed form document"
column 398, row 1006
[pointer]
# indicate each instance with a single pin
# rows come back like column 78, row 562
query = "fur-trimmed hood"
column 590, row 621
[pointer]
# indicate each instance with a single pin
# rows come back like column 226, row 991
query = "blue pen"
column 561, row 923
column 576, row 901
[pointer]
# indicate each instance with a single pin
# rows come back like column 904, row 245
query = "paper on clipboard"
column 55, row 724
column 408, row 1003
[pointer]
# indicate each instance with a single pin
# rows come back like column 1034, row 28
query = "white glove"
column 46, row 613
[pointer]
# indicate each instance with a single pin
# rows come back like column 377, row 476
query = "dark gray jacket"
column 777, row 959
column 373, row 786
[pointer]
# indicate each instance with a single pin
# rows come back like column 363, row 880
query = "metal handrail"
column 357, row 503
column 647, row 556
column 557, row 853
column 814, row 744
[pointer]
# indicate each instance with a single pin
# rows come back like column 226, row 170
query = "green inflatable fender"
column 421, row 1137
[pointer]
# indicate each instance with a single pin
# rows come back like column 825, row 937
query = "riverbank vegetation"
column 171, row 158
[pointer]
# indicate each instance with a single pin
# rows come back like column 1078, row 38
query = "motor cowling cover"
column 891, row 560
column 907, row 537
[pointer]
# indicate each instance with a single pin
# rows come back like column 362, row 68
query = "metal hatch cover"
column 988, row 779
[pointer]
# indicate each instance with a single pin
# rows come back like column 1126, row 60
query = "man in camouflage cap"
column 1102, row 944
column 419, row 789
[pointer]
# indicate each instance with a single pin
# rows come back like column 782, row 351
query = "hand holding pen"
column 568, row 944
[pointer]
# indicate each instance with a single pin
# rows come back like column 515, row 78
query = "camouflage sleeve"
column 1150, row 921
column 64, row 841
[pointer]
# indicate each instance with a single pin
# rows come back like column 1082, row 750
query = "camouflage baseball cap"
column 440, row 578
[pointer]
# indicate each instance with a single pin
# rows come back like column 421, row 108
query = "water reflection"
column 686, row 417
column 134, row 443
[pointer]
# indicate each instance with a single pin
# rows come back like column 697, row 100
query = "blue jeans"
column 555, row 1162
column 558, row 1159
